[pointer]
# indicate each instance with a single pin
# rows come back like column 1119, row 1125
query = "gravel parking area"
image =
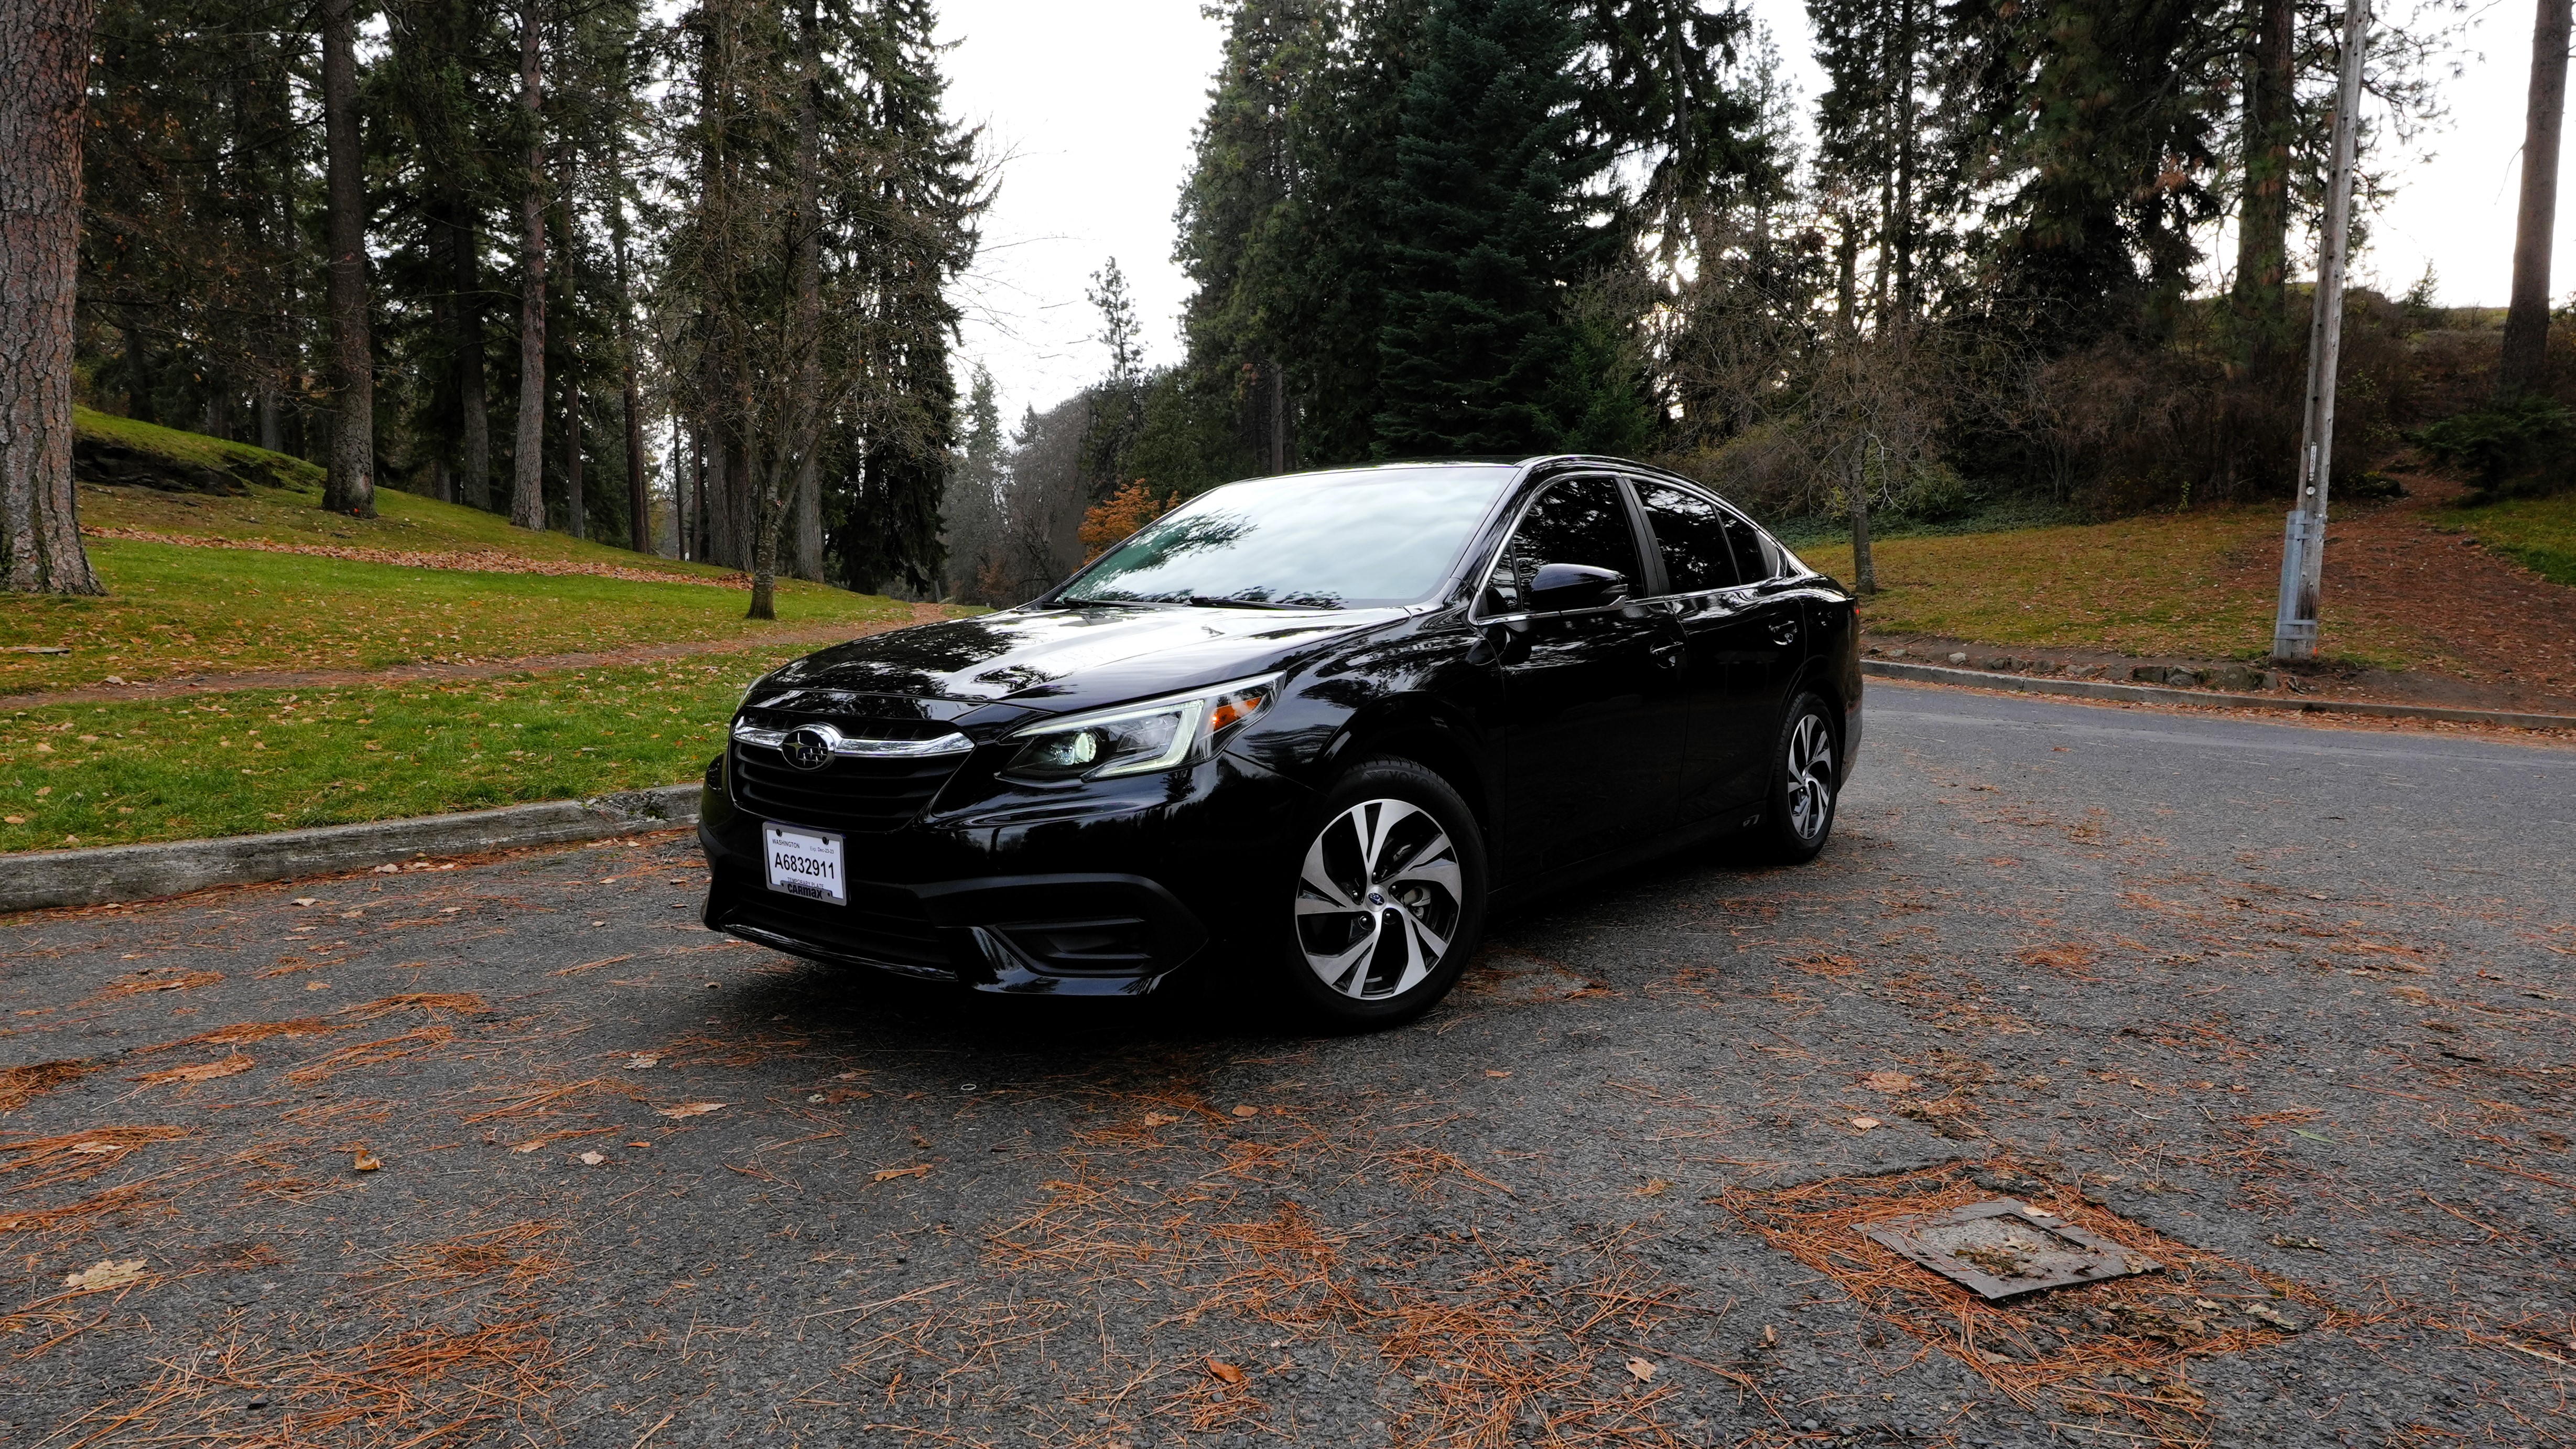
column 515, row 1152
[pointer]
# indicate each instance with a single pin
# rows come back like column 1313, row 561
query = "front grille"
column 853, row 794
column 879, row 924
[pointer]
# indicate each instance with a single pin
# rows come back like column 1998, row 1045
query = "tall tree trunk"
column 808, row 511
column 473, row 403
column 47, row 43
column 1901, row 221
column 639, row 497
column 576, row 518
column 350, row 485
column 271, row 435
column 2263, row 223
column 806, row 504
column 528, row 451
column 715, row 494
column 742, row 465
column 764, row 552
column 576, row 522
column 2526, row 320
column 698, row 531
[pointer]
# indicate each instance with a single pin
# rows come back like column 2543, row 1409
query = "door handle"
column 1670, row 656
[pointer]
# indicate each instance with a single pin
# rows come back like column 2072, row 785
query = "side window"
column 1692, row 532
column 1755, row 560
column 1579, row 521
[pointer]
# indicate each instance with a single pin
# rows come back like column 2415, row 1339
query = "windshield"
column 1310, row 541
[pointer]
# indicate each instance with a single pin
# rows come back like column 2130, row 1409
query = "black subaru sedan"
column 1303, row 731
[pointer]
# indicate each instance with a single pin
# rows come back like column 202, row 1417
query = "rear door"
column 1593, row 717
column 1743, row 639
column 1775, row 647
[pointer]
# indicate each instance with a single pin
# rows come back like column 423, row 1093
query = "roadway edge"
column 2205, row 698
column 43, row 879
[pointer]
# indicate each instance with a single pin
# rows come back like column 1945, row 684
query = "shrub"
column 2518, row 445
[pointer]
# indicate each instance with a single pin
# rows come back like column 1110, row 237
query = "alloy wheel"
column 1811, row 777
column 1378, row 899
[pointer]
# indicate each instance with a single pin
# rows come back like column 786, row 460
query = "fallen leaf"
column 1225, row 1372
column 531, row 1145
column 1770, row 1335
column 643, row 1060
column 1644, row 1371
column 1864, row 1123
column 1497, row 1074
column 1888, row 1082
column 2283, row 1240
column 1160, row 1119
column 593, row 1159
column 231, row 1066
column 94, row 1148
column 367, row 1162
column 106, row 1274
column 1247, row 1111
column 889, row 1174
column 306, row 901
column 2272, row 1316
column 692, row 1109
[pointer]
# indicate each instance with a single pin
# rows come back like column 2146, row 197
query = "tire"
column 1798, row 814
column 1385, row 897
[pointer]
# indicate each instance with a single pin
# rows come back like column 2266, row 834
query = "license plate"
column 805, row 863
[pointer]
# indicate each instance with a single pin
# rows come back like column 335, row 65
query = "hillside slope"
column 218, row 559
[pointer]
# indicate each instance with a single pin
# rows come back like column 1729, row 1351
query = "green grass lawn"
column 255, row 760
column 2538, row 533
column 294, row 514
column 181, row 610
column 2156, row 584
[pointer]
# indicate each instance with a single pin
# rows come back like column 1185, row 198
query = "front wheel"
column 1805, row 785
column 1388, row 898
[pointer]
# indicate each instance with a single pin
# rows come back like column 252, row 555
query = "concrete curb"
column 2205, row 698
column 140, row 872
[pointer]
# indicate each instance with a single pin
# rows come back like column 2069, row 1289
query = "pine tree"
column 40, row 137
column 1330, row 305
column 1491, row 232
column 903, row 236
column 2105, row 114
column 1236, row 239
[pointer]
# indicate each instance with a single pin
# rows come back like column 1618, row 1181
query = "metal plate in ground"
column 2005, row 1248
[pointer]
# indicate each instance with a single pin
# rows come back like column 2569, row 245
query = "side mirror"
column 1559, row 586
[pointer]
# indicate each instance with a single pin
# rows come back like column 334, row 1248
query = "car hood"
column 1060, row 659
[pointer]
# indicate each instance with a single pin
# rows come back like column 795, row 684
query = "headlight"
column 1135, row 739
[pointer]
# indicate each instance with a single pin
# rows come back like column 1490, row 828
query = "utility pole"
column 2303, row 547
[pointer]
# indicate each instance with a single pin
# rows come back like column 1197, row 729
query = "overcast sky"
column 1089, row 104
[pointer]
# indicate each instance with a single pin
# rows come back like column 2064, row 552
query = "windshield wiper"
column 1204, row 602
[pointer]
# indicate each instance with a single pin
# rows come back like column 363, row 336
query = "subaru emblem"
column 809, row 747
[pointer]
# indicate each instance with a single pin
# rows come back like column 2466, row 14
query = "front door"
column 1593, row 717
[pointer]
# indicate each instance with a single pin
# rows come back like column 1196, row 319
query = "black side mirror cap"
column 1575, row 586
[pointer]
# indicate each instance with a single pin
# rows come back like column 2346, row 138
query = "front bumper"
column 1105, row 890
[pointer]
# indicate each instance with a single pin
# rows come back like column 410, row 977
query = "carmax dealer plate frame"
column 2006, row 1248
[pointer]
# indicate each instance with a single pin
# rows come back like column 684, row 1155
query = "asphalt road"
column 2284, row 1009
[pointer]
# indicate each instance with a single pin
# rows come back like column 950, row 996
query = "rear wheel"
column 1388, row 896
column 1806, row 784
